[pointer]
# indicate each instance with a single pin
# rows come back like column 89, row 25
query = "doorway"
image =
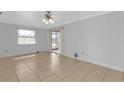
column 56, row 42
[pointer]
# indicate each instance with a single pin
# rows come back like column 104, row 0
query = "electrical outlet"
column 37, row 52
column 75, row 55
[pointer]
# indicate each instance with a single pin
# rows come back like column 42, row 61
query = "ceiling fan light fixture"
column 48, row 19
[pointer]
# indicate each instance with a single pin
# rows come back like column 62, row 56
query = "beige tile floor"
column 46, row 67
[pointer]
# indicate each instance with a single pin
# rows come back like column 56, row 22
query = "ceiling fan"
column 51, row 17
column 48, row 18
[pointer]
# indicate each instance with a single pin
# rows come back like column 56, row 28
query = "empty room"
column 61, row 46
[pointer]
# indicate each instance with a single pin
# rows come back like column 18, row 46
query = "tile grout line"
column 64, row 77
column 84, row 77
column 68, row 75
column 54, row 73
column 71, row 72
column 15, row 71
column 33, row 72
column 37, row 75
column 49, row 76
column 57, row 76
column 88, row 73
column 122, row 76
column 105, row 75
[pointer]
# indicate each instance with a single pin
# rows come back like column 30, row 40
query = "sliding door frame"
column 61, row 30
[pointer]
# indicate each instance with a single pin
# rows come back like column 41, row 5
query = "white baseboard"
column 12, row 55
column 93, row 62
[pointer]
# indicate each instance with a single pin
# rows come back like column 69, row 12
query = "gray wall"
column 8, row 40
column 99, row 40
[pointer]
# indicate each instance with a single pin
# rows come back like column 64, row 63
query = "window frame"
column 18, row 36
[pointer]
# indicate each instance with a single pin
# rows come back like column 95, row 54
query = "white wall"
column 100, row 38
column 8, row 40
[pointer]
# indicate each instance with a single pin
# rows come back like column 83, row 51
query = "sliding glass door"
column 56, row 42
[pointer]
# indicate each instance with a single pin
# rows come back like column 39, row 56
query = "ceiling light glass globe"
column 52, row 22
column 43, row 20
column 46, row 22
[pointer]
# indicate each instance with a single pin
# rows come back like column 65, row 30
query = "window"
column 26, row 37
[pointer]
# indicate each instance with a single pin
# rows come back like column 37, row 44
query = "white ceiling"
column 34, row 18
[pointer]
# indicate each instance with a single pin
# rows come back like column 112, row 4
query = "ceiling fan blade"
column 56, row 18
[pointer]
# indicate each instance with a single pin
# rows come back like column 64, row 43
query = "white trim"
column 93, row 62
column 11, row 55
column 81, row 19
column 49, row 41
column 62, row 40
column 28, row 26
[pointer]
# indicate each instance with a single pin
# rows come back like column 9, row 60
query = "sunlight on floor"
column 23, row 57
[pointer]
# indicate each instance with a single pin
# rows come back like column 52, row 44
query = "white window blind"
column 26, row 37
